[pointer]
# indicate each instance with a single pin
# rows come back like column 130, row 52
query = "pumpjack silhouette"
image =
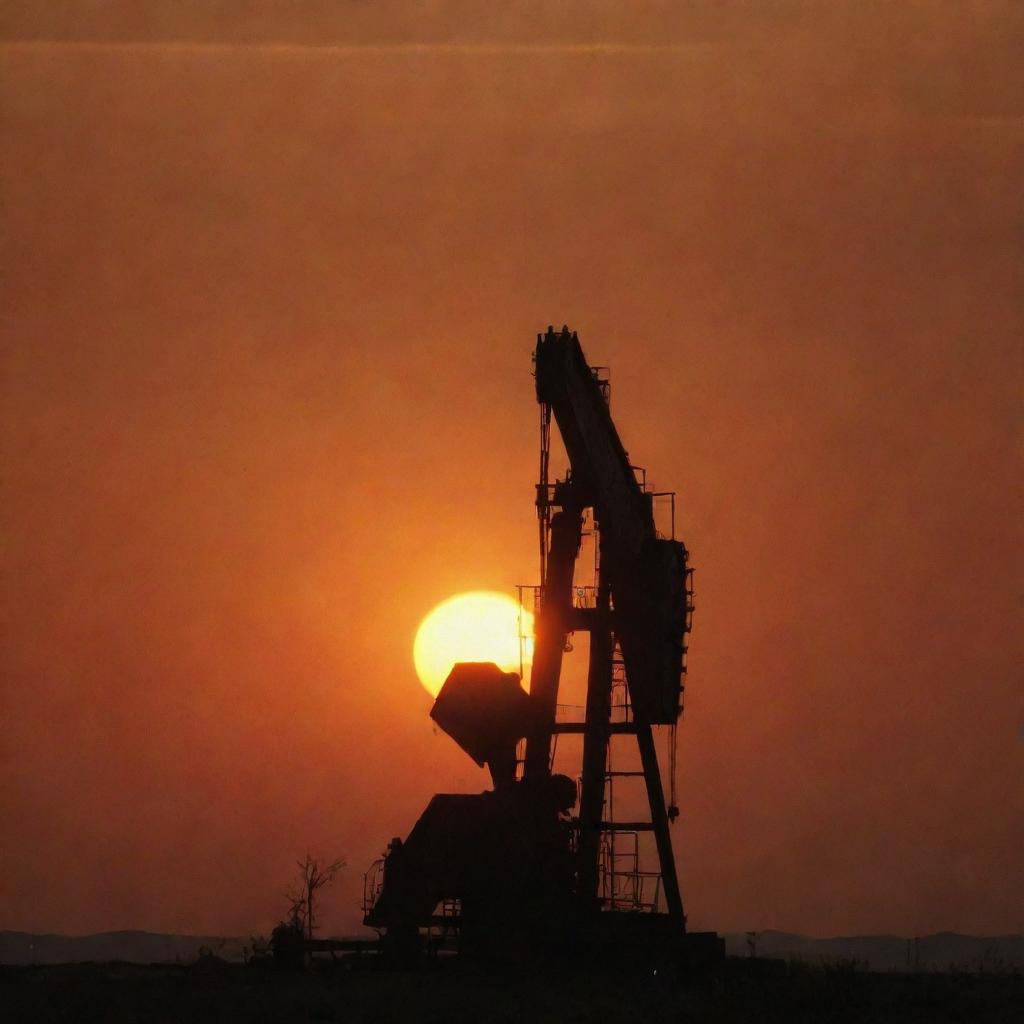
column 539, row 867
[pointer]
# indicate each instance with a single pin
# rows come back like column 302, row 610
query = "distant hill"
column 876, row 952
column 890, row 952
column 133, row 947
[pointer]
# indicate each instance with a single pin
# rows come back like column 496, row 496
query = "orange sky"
column 268, row 314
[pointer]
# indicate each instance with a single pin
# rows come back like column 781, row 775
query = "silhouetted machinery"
column 513, row 872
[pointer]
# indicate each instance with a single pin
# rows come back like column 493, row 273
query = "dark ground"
column 226, row 992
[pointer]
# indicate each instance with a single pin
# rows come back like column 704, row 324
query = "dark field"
column 225, row 992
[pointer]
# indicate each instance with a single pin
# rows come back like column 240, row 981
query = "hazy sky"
column 271, row 278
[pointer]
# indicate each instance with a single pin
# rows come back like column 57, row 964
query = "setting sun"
column 477, row 626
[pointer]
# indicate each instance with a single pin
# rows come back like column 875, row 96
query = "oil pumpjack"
column 513, row 872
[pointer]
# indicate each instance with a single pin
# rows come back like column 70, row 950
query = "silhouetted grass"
column 455, row 994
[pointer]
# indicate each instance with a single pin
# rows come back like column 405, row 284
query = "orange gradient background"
column 271, row 279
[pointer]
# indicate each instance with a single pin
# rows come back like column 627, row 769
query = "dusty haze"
column 271, row 278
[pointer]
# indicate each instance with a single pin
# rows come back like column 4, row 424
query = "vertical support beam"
column 596, row 735
column 659, row 819
column 551, row 630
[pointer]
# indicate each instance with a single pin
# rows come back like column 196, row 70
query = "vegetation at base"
column 353, row 991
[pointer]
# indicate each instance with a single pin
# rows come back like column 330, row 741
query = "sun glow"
column 480, row 625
